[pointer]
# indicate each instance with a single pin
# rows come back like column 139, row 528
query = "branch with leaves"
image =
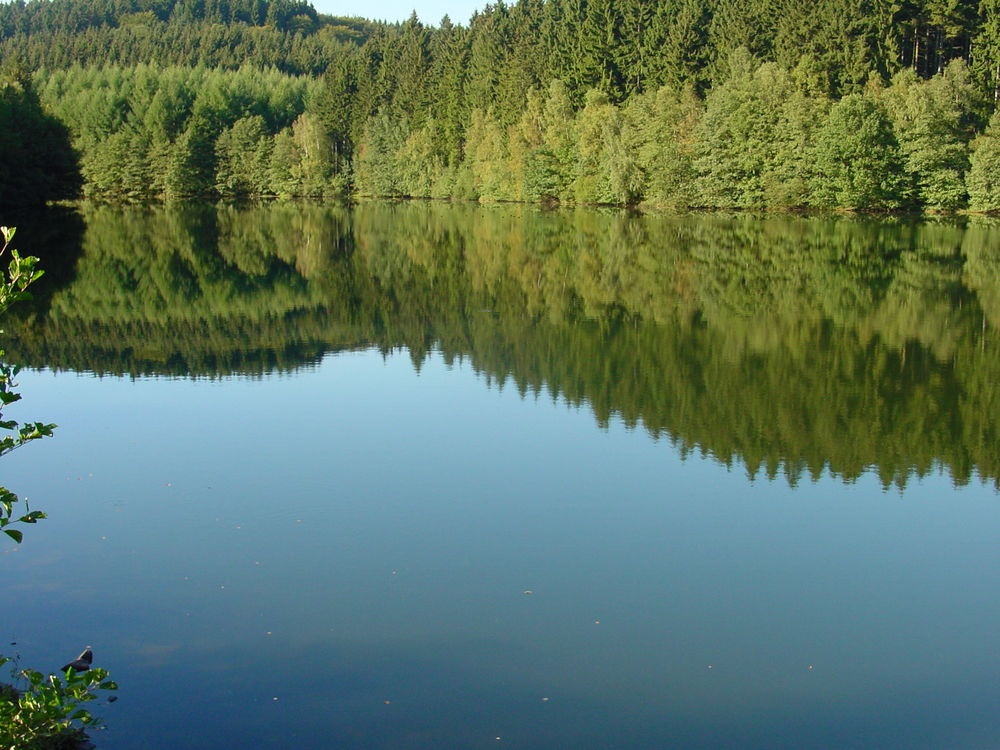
column 20, row 274
column 42, row 711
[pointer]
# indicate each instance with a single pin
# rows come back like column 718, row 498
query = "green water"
column 423, row 476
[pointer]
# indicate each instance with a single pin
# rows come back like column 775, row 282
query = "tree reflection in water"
column 785, row 344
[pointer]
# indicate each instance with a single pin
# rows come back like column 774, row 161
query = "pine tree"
column 334, row 106
column 377, row 169
column 985, row 50
column 599, row 42
column 447, row 82
column 191, row 169
column 243, row 155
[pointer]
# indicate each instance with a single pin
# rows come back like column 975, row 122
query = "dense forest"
column 874, row 104
column 288, row 35
column 790, row 345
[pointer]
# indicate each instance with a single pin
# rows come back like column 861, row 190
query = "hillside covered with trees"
column 872, row 105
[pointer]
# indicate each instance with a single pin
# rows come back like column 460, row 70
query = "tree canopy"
column 698, row 103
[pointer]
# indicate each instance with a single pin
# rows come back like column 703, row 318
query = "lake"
column 440, row 476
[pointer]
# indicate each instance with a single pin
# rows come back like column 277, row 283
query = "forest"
column 878, row 105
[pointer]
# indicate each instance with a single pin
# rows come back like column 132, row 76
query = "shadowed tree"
column 37, row 163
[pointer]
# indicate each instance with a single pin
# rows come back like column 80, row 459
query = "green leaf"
column 14, row 534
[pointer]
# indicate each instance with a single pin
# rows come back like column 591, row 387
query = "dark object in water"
column 82, row 662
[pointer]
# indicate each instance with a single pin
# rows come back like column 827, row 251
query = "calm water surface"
column 412, row 478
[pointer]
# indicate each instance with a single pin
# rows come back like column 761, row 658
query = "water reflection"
column 788, row 345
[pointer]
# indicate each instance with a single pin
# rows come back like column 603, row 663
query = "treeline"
column 146, row 132
column 690, row 103
column 763, row 137
column 793, row 346
column 285, row 34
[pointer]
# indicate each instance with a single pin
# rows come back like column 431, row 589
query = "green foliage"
column 287, row 35
column 422, row 168
column 191, row 166
column 21, row 273
column 559, row 151
column 37, row 163
column 660, row 130
column 486, row 158
column 789, row 180
column 253, row 98
column 929, row 119
column 243, row 153
column 858, row 161
column 377, row 168
column 986, row 50
column 181, row 133
column 737, row 138
column 606, row 171
column 46, row 712
column 984, row 169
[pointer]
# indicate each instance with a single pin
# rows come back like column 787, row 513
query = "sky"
column 429, row 11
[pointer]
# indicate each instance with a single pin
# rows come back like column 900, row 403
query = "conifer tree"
column 191, row 168
column 243, row 155
column 334, row 105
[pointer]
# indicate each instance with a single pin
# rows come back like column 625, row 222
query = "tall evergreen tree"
column 191, row 169
column 243, row 155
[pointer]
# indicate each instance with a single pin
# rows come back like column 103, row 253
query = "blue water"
column 363, row 555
